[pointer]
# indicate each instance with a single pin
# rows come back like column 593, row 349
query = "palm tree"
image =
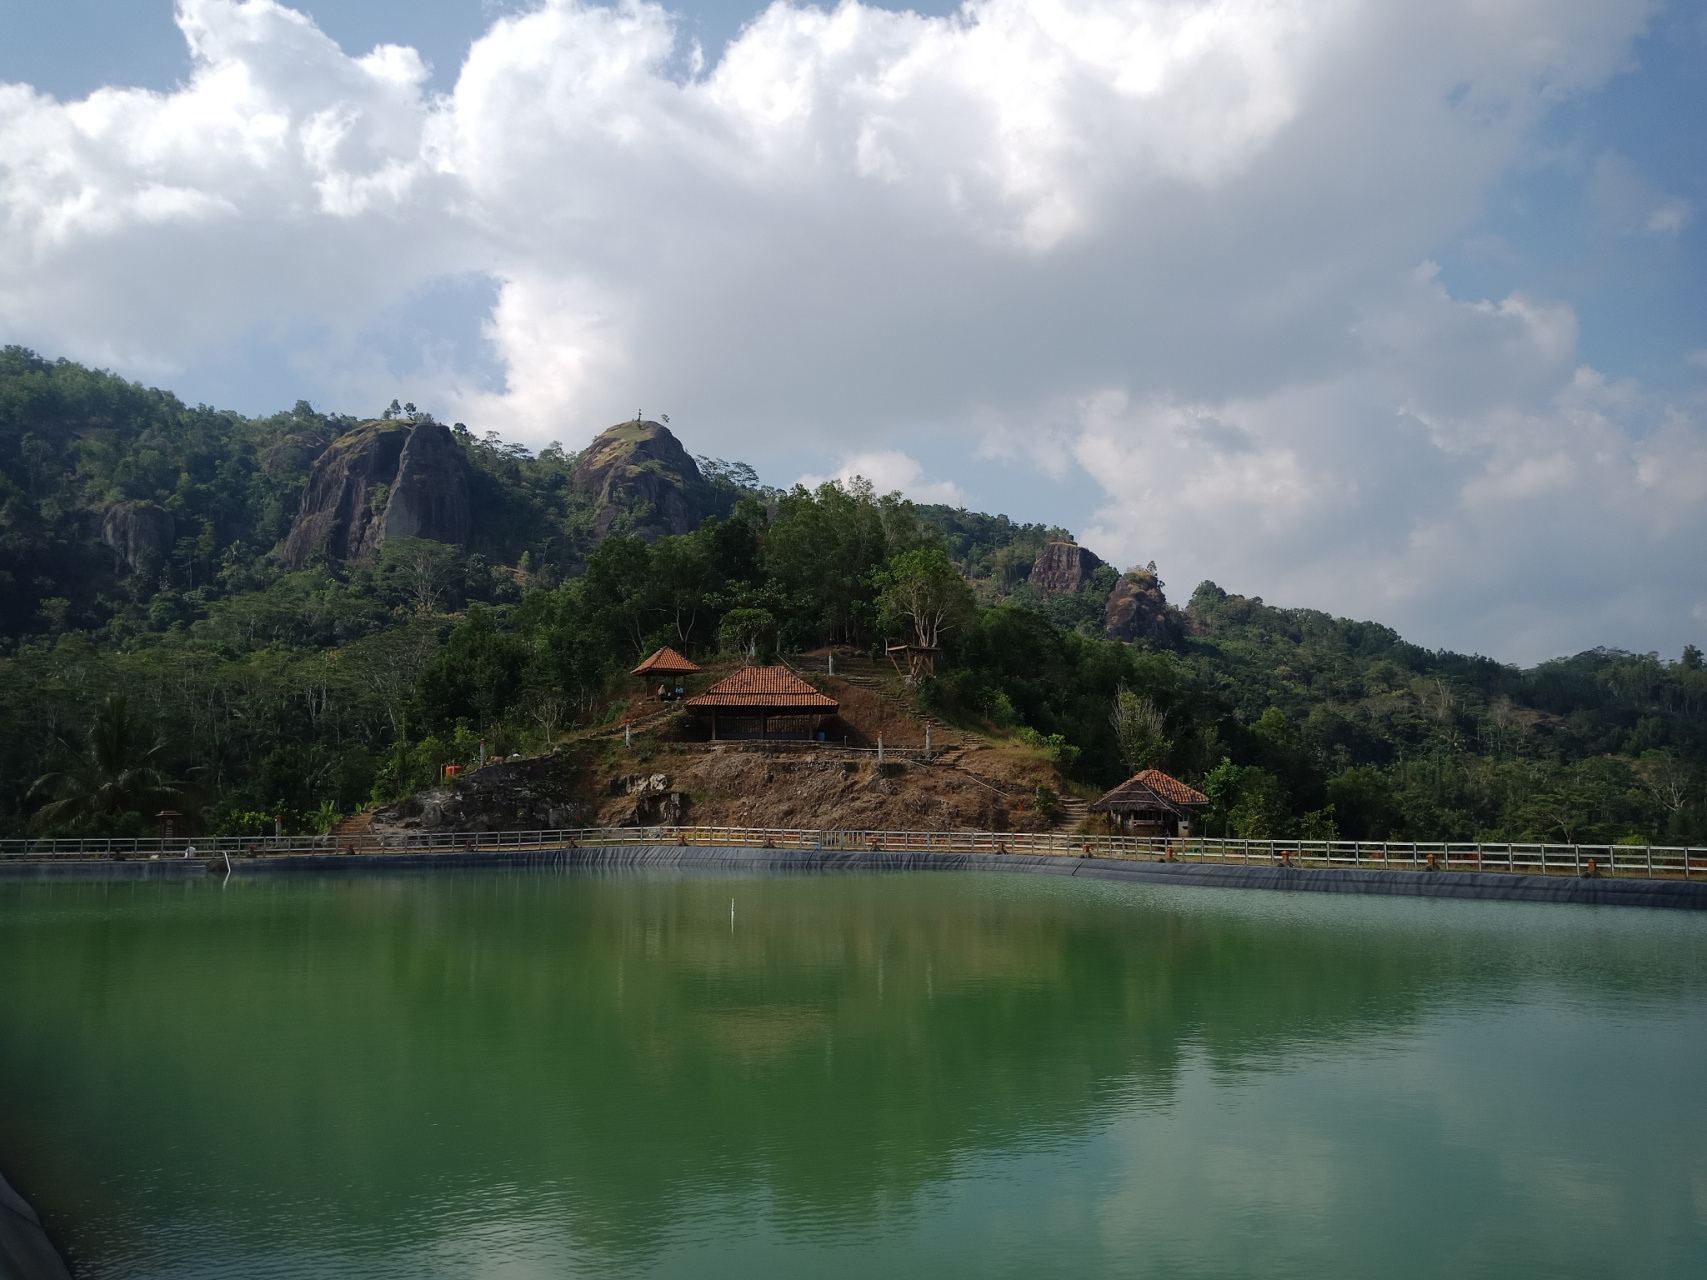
column 114, row 777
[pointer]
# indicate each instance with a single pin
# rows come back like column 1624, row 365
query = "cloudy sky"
column 1394, row 309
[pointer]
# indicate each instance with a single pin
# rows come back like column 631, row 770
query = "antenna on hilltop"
column 666, row 418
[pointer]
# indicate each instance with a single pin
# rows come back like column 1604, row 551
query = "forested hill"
column 307, row 612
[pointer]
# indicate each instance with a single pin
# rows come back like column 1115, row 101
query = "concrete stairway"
column 1073, row 812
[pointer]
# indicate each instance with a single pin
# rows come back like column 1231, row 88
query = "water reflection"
column 579, row 1071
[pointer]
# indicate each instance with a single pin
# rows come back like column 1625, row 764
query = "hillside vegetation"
column 156, row 643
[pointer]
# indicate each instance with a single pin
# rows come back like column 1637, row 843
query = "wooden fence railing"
column 1648, row 861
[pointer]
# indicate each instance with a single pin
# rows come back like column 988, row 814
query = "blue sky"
column 1391, row 309
column 1551, row 229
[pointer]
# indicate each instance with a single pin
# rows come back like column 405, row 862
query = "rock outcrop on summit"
column 1063, row 568
column 385, row 479
column 1137, row 610
column 639, row 469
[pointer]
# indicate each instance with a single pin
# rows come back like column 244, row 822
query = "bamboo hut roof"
column 1150, row 790
column 764, row 688
column 666, row 662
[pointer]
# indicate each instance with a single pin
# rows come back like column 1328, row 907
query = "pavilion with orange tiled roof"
column 663, row 669
column 1151, row 803
column 775, row 700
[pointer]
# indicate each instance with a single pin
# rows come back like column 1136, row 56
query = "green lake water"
column 573, row 1073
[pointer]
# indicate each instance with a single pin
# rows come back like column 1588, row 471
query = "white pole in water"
column 731, row 915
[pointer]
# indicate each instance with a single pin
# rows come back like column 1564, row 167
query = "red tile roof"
column 1144, row 789
column 1170, row 788
column 666, row 662
column 775, row 688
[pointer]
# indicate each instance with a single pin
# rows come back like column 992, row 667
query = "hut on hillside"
column 921, row 659
column 1151, row 804
column 764, row 703
column 664, row 672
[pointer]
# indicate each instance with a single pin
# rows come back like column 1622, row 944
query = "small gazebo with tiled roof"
column 1152, row 804
column 771, row 700
column 663, row 669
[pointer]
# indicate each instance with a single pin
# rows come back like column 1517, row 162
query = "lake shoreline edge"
column 1488, row 886
column 25, row 1250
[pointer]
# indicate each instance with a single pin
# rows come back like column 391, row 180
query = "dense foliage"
column 212, row 674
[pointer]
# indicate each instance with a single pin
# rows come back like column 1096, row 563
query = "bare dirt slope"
column 666, row 772
column 742, row 786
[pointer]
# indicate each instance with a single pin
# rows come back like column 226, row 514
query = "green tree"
column 1278, row 746
column 1670, row 781
column 1138, row 725
column 389, row 666
column 619, row 591
column 1363, row 804
column 1246, row 802
column 571, row 654
column 821, row 552
column 685, row 579
column 747, row 631
column 477, row 676
column 116, row 783
column 923, row 597
column 419, row 571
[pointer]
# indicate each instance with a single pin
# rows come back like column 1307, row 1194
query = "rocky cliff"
column 1137, row 610
column 1063, row 568
column 640, row 470
column 539, row 794
column 137, row 529
column 386, row 479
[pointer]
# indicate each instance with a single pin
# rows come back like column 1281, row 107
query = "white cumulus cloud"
column 1172, row 243
column 891, row 471
column 1504, row 485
